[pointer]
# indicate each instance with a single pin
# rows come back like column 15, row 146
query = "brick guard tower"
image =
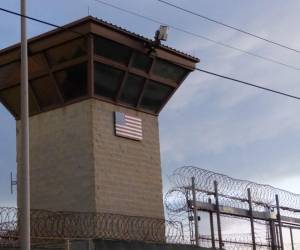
column 77, row 83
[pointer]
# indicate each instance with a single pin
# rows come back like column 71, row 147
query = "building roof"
column 91, row 58
column 71, row 27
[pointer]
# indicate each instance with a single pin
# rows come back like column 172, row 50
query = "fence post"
column 218, row 215
column 91, row 244
column 279, row 221
column 273, row 235
column 212, row 230
column 292, row 238
column 195, row 212
column 251, row 218
column 277, row 236
column 67, row 244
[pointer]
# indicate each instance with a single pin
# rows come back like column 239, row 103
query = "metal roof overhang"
column 40, row 67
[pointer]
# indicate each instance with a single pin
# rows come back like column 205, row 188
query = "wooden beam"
column 42, row 73
column 124, row 78
column 35, row 100
column 53, row 79
column 70, row 63
column 146, row 82
column 117, row 36
column 142, row 93
column 103, row 99
column 91, row 74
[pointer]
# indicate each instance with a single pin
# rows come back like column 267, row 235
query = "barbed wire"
column 233, row 191
column 78, row 225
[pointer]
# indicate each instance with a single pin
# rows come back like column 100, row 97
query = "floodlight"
column 162, row 33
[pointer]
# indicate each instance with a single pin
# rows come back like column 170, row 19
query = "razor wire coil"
column 233, row 192
column 78, row 225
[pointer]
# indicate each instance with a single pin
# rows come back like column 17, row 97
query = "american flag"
column 128, row 126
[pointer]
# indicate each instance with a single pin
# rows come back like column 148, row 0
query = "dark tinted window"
column 169, row 70
column 112, row 50
column 46, row 92
column 155, row 95
column 107, row 80
column 141, row 61
column 66, row 51
column 73, row 81
column 132, row 89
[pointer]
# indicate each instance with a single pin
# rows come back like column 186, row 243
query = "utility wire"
column 197, row 69
column 41, row 21
column 199, row 36
column 248, row 84
column 158, row 22
column 229, row 26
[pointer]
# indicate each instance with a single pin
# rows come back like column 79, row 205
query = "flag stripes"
column 128, row 126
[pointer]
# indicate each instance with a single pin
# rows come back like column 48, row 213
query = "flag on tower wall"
column 128, row 126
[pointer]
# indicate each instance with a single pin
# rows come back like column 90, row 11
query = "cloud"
column 218, row 124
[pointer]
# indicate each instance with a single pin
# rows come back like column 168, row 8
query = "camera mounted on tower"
column 160, row 35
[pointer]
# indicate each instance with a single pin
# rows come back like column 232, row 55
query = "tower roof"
column 91, row 58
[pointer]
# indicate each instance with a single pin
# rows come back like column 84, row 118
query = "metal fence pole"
column 195, row 212
column 91, row 244
column 279, row 221
column 212, row 230
column 273, row 235
column 277, row 236
column 292, row 238
column 67, row 244
column 25, row 171
column 251, row 218
column 218, row 215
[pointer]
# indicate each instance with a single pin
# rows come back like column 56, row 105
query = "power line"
column 229, row 26
column 198, row 69
column 199, row 36
column 248, row 84
column 159, row 22
column 40, row 21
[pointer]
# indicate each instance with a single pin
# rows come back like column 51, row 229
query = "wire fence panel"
column 266, row 217
column 76, row 225
column 217, row 211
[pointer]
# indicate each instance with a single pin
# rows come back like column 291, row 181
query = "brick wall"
column 61, row 159
column 78, row 164
column 128, row 174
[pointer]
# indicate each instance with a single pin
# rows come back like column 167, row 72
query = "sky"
column 210, row 122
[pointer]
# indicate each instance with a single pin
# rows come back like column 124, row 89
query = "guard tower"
column 95, row 94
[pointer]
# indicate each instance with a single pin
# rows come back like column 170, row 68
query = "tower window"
column 132, row 89
column 112, row 50
column 169, row 70
column 66, row 52
column 107, row 80
column 141, row 61
column 155, row 96
column 73, row 81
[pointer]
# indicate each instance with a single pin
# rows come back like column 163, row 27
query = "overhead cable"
column 199, row 36
column 40, row 21
column 230, row 26
column 248, row 84
column 198, row 69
